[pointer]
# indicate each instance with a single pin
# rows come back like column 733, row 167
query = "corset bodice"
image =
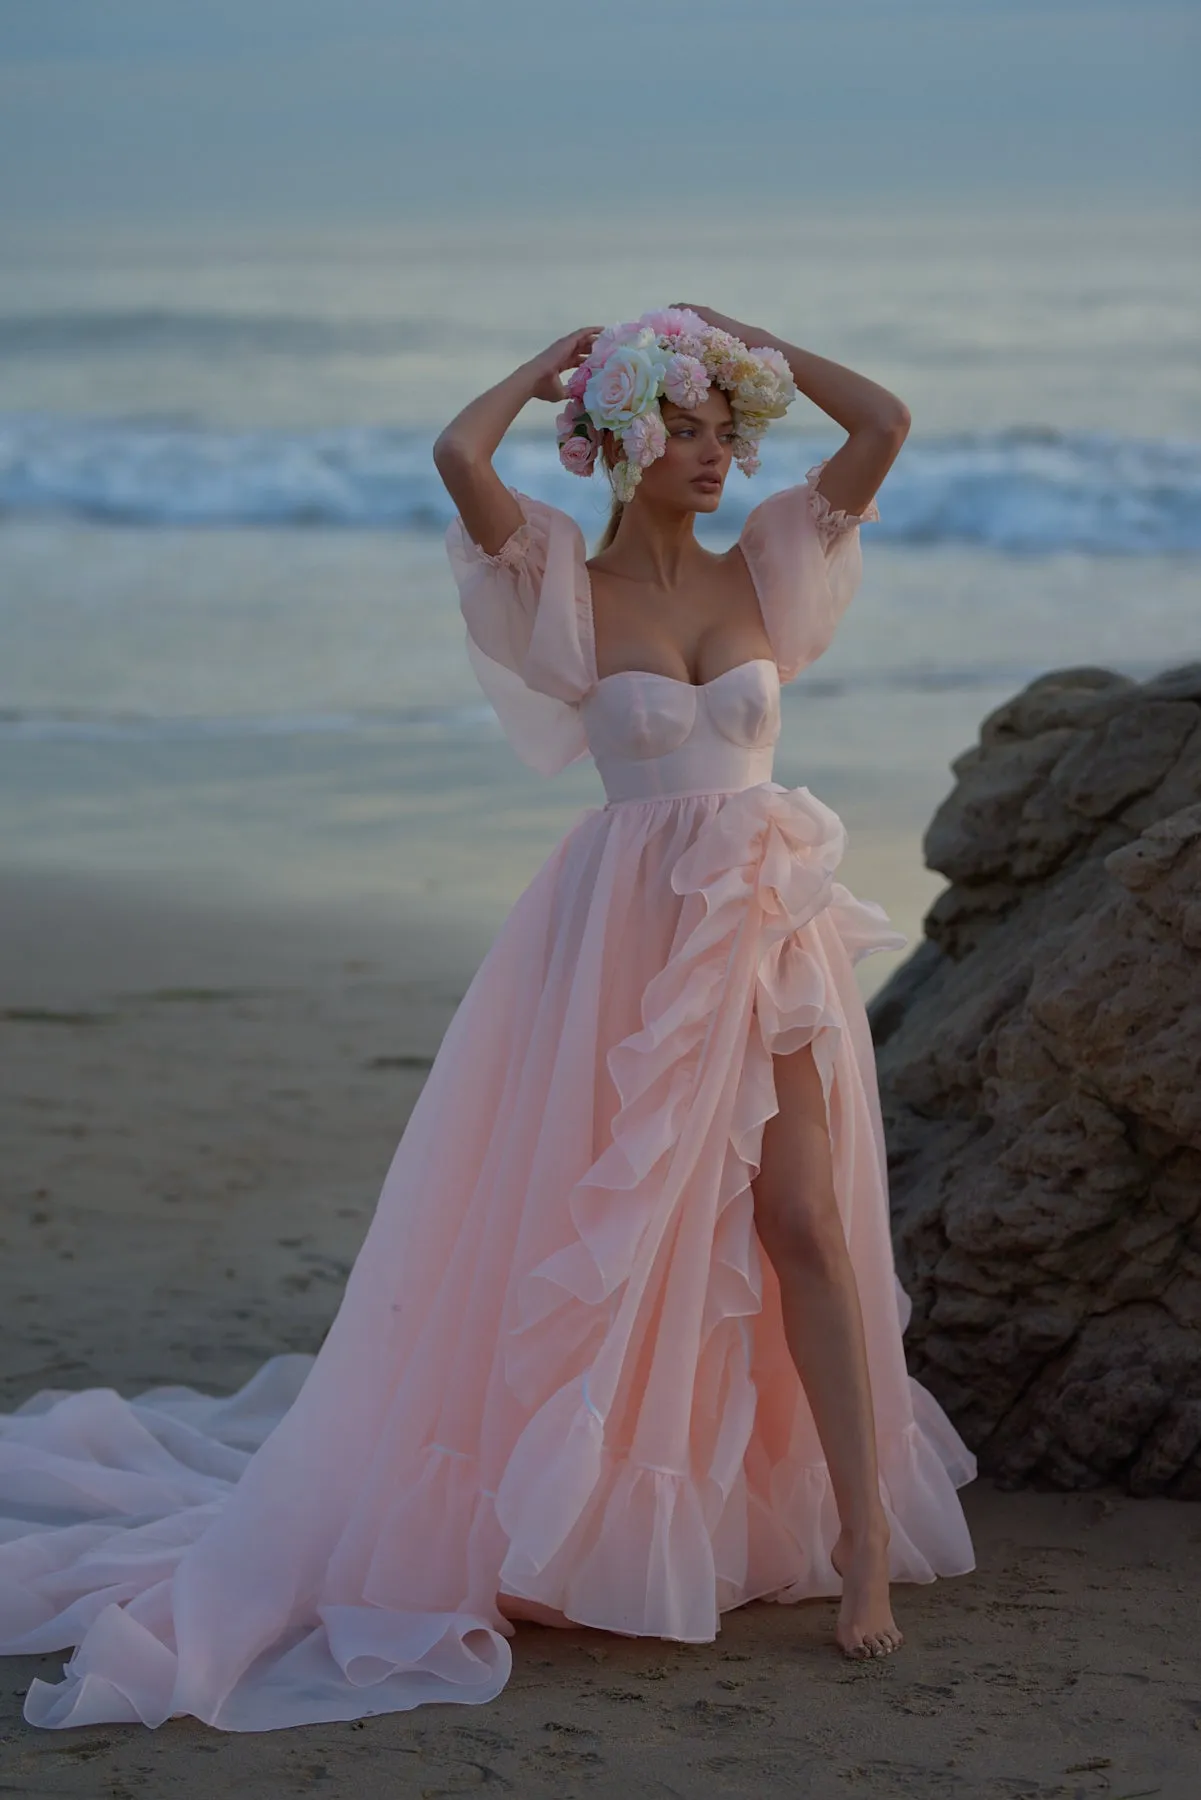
column 653, row 737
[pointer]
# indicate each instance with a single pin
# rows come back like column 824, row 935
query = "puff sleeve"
column 528, row 615
column 806, row 564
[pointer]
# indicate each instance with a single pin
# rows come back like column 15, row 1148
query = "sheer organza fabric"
column 558, row 1370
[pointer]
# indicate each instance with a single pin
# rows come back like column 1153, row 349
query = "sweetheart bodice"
column 531, row 639
column 654, row 736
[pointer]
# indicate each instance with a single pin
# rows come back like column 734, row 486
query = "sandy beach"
column 198, row 1111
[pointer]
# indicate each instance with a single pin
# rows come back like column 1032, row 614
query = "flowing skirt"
column 558, row 1370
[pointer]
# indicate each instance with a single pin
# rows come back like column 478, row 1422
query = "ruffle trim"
column 354, row 1662
column 400, row 1640
column 832, row 523
column 514, row 553
column 742, row 986
column 659, row 1563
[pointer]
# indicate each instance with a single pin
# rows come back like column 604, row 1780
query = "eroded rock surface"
column 1040, row 1074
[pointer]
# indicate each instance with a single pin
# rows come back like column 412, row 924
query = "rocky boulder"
column 1039, row 1059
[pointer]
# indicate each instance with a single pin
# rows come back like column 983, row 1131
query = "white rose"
column 625, row 386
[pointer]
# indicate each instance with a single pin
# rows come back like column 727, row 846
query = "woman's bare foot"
column 866, row 1626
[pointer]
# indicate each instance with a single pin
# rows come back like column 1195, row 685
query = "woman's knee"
column 799, row 1230
column 796, row 1206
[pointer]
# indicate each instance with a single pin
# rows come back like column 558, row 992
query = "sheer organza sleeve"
column 805, row 559
column 529, row 626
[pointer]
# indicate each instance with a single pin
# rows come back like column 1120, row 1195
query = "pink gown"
column 558, row 1369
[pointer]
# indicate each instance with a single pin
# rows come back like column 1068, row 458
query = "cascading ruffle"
column 626, row 1499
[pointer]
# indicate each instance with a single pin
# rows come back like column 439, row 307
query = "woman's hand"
column 749, row 334
column 702, row 312
column 463, row 451
column 874, row 419
column 565, row 353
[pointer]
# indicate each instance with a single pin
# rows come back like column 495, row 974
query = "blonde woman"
column 623, row 1344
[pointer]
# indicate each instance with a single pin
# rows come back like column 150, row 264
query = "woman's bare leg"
column 797, row 1219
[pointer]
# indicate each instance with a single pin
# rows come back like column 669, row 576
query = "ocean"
column 231, row 659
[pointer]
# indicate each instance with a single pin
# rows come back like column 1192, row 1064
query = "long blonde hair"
column 610, row 455
column 610, row 531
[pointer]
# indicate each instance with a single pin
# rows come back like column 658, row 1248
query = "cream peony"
column 777, row 362
column 749, row 423
column 624, row 478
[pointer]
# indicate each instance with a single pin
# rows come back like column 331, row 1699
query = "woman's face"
column 691, row 473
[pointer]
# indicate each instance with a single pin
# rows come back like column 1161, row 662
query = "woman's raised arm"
column 463, row 451
column 877, row 423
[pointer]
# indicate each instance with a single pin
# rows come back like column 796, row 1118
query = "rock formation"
column 1040, row 1073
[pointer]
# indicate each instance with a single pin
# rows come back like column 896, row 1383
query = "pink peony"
column 686, row 383
column 645, row 439
column 578, row 454
column 607, row 342
column 673, row 320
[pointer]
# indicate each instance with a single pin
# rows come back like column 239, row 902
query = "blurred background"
column 253, row 257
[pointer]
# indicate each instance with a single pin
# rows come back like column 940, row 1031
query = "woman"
column 564, row 1383
column 662, row 605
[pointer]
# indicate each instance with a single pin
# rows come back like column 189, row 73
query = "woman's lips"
column 712, row 482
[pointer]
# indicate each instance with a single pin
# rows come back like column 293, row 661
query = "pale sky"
column 240, row 111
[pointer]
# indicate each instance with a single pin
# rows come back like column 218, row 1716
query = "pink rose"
column 578, row 454
column 579, row 381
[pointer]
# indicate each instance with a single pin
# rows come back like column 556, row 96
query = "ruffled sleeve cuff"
column 805, row 560
column 513, row 554
column 831, row 522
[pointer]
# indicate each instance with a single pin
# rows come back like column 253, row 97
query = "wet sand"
column 198, row 1110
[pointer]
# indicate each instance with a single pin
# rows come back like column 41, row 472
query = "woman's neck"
column 654, row 544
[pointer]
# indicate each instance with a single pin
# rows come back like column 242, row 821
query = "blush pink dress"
column 558, row 1370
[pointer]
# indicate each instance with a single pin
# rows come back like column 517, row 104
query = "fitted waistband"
column 706, row 764
column 683, row 794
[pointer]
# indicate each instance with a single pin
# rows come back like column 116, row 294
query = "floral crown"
column 675, row 355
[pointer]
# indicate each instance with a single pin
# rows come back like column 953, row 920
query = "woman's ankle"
column 871, row 1532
